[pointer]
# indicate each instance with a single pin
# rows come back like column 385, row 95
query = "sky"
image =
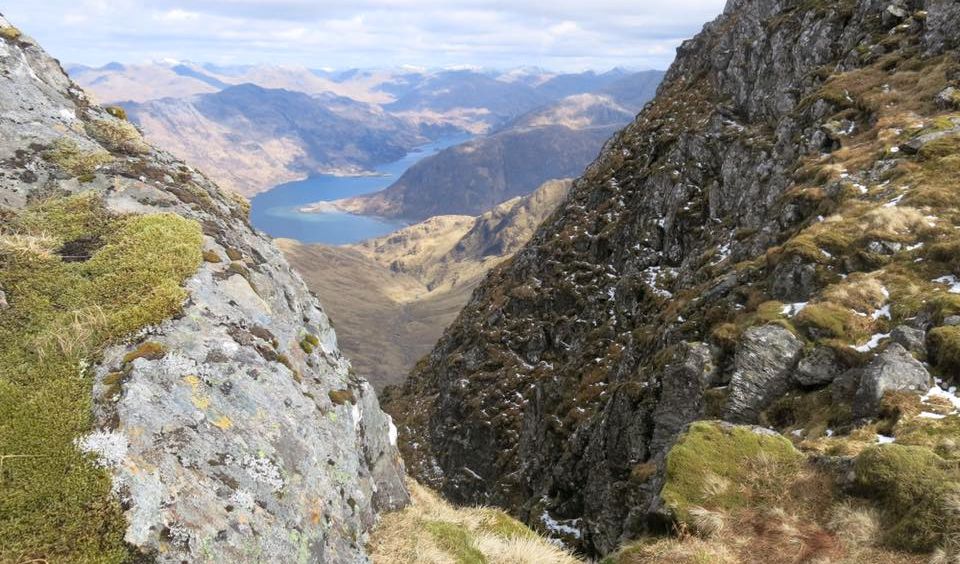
column 339, row 34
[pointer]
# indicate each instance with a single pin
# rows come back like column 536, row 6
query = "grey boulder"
column 893, row 370
column 764, row 363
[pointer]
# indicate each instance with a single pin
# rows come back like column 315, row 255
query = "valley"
column 461, row 314
column 391, row 297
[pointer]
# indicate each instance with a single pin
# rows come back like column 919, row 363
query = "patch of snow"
column 928, row 415
column 885, row 440
column 650, row 276
column 915, row 247
column 392, row 433
column 566, row 527
column 951, row 280
column 893, row 203
column 357, row 415
column 948, row 395
column 791, row 310
column 873, row 343
column 883, row 312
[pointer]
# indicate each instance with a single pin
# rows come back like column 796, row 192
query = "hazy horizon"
column 559, row 35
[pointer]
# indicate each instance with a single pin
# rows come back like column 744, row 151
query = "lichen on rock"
column 171, row 391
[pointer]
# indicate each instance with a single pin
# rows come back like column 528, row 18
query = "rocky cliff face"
column 230, row 426
column 783, row 210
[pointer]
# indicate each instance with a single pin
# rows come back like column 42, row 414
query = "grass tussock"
column 743, row 497
column 431, row 531
column 10, row 33
column 118, row 136
column 77, row 279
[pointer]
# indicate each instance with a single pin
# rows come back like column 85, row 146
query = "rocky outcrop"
column 234, row 430
column 755, row 191
column 893, row 370
column 765, row 359
column 821, row 366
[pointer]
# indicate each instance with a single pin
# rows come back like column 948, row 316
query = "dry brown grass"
column 856, row 526
column 431, row 531
column 861, row 292
column 24, row 246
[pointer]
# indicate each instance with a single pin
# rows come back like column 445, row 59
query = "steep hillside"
column 556, row 140
column 773, row 241
column 170, row 389
column 251, row 138
column 477, row 175
column 392, row 297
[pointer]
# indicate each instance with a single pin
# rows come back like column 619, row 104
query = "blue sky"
column 555, row 34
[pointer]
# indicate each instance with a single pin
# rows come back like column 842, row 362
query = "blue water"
column 277, row 211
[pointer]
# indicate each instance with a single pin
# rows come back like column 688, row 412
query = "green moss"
column 829, row 320
column 457, row 541
column 940, row 148
column 941, row 435
column 912, row 486
column 499, row 523
column 75, row 161
column 710, row 451
column 10, row 33
column 306, row 346
column 61, row 315
column 117, row 112
column 312, row 339
column 340, row 397
column 945, row 348
column 117, row 136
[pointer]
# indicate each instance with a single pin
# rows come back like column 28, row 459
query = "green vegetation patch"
column 456, row 540
column 829, row 320
column 710, row 466
column 55, row 504
column 10, row 33
column 117, row 112
column 74, row 160
column 118, row 136
column 945, row 348
column 914, row 487
column 498, row 523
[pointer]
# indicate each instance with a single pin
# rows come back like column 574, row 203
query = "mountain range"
column 256, row 127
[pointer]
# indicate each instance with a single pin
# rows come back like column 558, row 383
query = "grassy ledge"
column 77, row 279
column 431, row 531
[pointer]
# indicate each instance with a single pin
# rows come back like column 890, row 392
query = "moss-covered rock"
column 709, row 466
column 944, row 346
column 61, row 315
column 117, row 136
column 74, row 160
column 913, row 486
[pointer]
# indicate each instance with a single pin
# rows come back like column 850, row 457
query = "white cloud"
column 562, row 34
